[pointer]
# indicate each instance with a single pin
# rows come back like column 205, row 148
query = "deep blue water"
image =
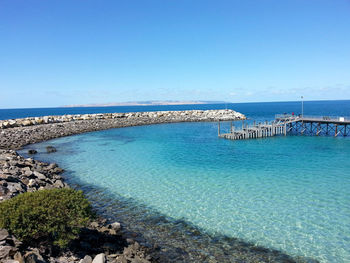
column 258, row 110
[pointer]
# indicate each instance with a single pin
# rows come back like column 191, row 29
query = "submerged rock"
column 51, row 149
column 31, row 151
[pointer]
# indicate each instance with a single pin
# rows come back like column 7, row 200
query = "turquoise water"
column 288, row 193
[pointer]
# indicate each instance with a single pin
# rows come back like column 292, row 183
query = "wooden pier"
column 285, row 124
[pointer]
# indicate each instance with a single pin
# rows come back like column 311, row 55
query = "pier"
column 285, row 124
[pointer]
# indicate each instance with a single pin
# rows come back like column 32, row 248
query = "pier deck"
column 290, row 124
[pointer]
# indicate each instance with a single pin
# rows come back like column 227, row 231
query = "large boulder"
column 100, row 258
column 11, row 261
column 33, row 257
column 116, row 226
column 40, row 176
column 3, row 234
column 6, row 252
column 86, row 259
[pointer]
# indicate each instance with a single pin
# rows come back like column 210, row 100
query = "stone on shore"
column 116, row 226
column 3, row 234
column 18, row 256
column 19, row 175
column 86, row 259
column 6, row 251
column 100, row 258
column 11, row 261
column 33, row 257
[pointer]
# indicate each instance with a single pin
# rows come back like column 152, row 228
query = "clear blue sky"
column 55, row 53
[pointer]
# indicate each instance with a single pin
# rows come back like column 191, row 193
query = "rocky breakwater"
column 98, row 243
column 189, row 115
column 19, row 132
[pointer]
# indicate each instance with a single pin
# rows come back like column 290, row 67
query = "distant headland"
column 145, row 103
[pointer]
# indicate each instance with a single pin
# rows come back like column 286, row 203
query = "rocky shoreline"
column 100, row 242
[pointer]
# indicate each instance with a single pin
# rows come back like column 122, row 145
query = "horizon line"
column 204, row 103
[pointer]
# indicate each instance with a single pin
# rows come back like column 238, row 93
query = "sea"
column 256, row 110
column 286, row 193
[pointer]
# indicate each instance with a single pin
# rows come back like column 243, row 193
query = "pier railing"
column 326, row 118
column 282, row 116
column 312, row 118
column 286, row 117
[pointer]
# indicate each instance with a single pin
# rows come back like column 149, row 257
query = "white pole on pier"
column 285, row 129
column 302, row 106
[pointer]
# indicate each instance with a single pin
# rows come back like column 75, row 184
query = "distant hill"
column 144, row 103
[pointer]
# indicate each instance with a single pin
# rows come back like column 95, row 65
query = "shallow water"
column 287, row 193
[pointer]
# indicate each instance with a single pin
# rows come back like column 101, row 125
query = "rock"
column 46, row 119
column 26, row 171
column 40, row 176
column 94, row 224
column 10, row 261
column 18, row 256
column 86, row 259
column 16, row 242
column 100, row 258
column 32, row 151
column 116, row 226
column 51, row 149
column 130, row 241
column 112, row 232
column 6, row 251
column 62, row 260
column 15, row 187
column 8, row 178
column 12, row 122
column 31, row 183
column 26, row 123
column 3, row 234
column 103, row 229
column 33, row 257
column 52, row 166
column 58, row 184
